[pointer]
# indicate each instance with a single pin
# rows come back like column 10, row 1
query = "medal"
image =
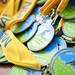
column 42, row 38
column 69, row 12
column 47, row 53
column 29, row 33
column 63, row 62
column 20, row 27
column 16, row 70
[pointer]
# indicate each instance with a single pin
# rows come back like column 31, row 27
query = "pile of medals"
column 37, row 37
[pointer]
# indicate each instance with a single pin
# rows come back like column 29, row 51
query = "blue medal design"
column 2, row 57
column 60, row 42
column 47, row 53
column 42, row 38
column 28, row 34
column 20, row 27
column 63, row 62
column 34, row 72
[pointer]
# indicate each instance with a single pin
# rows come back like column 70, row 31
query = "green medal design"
column 63, row 63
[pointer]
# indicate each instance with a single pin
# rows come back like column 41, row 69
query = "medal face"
column 69, row 12
column 28, row 34
column 42, row 38
column 48, row 52
column 34, row 72
column 63, row 62
column 69, row 29
column 60, row 42
column 16, row 70
column 20, row 27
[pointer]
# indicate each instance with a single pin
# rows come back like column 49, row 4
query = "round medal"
column 69, row 29
column 42, row 38
column 47, row 53
column 63, row 62
column 20, row 27
column 69, row 12
column 28, row 34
